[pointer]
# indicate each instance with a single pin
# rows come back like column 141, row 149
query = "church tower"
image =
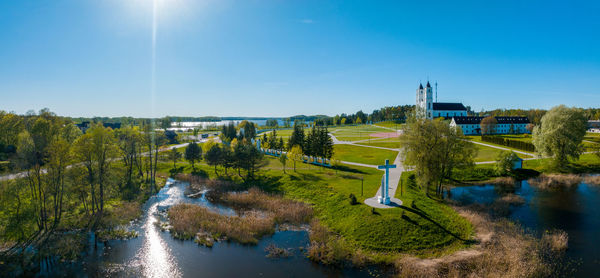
column 425, row 101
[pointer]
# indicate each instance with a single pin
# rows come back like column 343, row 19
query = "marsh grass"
column 187, row 220
column 556, row 240
column 283, row 210
column 276, row 252
column 592, row 180
column 506, row 181
column 503, row 249
column 555, row 181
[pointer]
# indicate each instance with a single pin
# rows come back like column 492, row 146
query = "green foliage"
column 435, row 149
column 193, row 153
column 505, row 161
column 560, row 134
column 353, row 200
column 297, row 137
column 516, row 144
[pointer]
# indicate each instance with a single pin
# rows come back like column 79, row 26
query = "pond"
column 575, row 210
column 154, row 253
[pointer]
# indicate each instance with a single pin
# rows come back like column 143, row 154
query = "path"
column 502, row 148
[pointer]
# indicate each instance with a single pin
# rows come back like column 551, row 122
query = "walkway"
column 395, row 174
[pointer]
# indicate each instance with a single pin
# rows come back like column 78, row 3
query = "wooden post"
column 361, row 185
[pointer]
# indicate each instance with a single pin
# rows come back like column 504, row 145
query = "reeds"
column 187, row 220
column 283, row 210
column 503, row 181
column 555, row 181
column 556, row 240
column 503, row 250
column 592, row 180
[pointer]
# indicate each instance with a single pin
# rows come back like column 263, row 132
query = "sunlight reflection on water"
column 156, row 258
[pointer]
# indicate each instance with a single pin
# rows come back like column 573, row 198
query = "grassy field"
column 363, row 154
column 477, row 138
column 485, row 153
column 382, row 143
column 355, row 133
column 430, row 228
column 389, row 124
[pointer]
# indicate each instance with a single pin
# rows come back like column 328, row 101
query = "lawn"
column 430, row 228
column 355, row 133
column 389, row 124
column 485, row 153
column 363, row 154
column 382, row 143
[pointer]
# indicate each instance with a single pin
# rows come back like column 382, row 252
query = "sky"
column 280, row 58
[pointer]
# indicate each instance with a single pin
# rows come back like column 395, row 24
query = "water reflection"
column 157, row 260
column 574, row 210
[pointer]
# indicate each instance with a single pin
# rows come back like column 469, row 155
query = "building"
column 429, row 109
column 471, row 125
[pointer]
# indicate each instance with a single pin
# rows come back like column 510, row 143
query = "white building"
column 506, row 125
column 429, row 109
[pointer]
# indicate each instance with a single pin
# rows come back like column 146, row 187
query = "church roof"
column 472, row 120
column 420, row 86
column 428, row 85
column 448, row 106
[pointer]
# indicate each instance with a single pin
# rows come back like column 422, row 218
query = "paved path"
column 339, row 142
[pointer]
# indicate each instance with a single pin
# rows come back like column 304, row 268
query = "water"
column 184, row 126
column 156, row 254
column 575, row 210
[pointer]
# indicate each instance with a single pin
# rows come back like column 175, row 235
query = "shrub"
column 353, row 200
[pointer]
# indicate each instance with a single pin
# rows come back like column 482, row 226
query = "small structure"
column 384, row 198
column 517, row 163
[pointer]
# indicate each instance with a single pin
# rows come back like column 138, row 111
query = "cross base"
column 383, row 200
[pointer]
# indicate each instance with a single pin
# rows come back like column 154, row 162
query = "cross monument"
column 384, row 197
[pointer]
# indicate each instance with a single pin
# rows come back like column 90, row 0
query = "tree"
column 213, row 156
column 560, row 133
column 529, row 127
column 193, row 153
column 435, row 149
column 295, row 154
column 247, row 129
column 505, row 162
column 488, row 125
column 283, row 159
column 174, row 156
column 165, row 123
column 297, row 137
column 248, row 158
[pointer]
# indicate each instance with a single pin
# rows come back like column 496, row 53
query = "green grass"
column 389, row 124
column 355, row 133
column 432, row 228
column 485, row 153
column 363, row 154
column 382, row 143
column 477, row 138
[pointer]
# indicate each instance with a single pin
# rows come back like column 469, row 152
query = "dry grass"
column 503, row 181
column 284, row 210
column 325, row 246
column 276, row 252
column 592, row 180
column 555, row 181
column 187, row 220
column 503, row 250
column 556, row 240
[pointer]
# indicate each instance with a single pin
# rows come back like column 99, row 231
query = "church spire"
column 428, row 85
column 420, row 86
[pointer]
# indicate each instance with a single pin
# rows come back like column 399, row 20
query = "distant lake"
column 184, row 126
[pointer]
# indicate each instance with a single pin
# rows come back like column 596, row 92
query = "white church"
column 431, row 109
column 470, row 125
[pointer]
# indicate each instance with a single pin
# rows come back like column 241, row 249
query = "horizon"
column 278, row 59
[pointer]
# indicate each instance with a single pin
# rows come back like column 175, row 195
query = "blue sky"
column 282, row 58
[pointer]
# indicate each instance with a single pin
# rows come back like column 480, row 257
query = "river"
column 154, row 253
column 575, row 210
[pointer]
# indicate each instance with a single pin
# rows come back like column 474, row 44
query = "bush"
column 516, row 144
column 353, row 200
